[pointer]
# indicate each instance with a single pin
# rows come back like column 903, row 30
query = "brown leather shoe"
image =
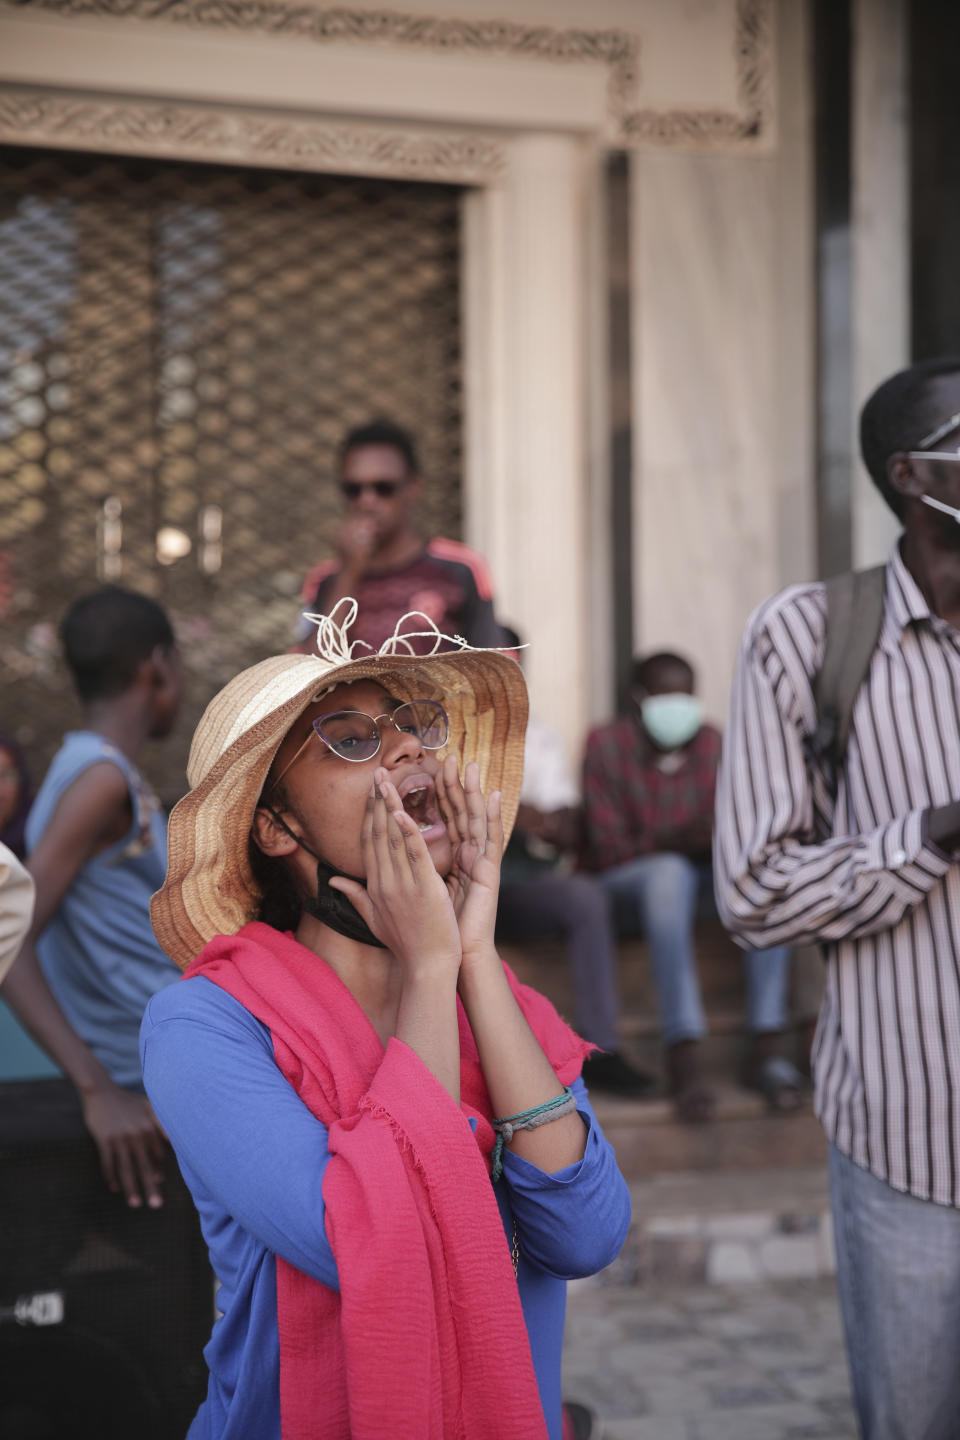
column 609, row 1071
column 693, row 1099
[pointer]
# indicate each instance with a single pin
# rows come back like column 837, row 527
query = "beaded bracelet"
column 529, row 1120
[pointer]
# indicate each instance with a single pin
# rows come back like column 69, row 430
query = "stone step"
column 647, row 1027
column 734, row 1228
column 543, row 964
column 724, row 1048
column 720, row 966
column 743, row 1135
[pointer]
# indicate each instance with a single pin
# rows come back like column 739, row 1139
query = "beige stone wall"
column 724, row 491
column 520, row 103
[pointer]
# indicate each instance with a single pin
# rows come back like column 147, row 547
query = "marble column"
column 526, row 399
column 723, row 407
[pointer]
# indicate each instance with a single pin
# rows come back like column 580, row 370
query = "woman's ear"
column 269, row 835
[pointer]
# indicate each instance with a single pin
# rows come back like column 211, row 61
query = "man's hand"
column 130, row 1142
column 356, row 542
column 531, row 821
column 561, row 828
column 943, row 826
column 693, row 840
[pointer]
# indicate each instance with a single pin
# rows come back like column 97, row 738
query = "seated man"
column 648, row 794
column 540, row 899
column 385, row 562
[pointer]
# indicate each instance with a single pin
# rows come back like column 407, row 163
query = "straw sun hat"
column 210, row 889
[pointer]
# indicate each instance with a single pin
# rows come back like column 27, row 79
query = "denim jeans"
column 898, row 1276
column 578, row 910
column 662, row 897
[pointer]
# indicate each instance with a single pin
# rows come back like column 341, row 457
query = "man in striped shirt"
column 868, row 867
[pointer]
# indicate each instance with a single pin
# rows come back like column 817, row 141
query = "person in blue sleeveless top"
column 96, row 843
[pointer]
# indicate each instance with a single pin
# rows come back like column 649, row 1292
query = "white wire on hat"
column 334, row 647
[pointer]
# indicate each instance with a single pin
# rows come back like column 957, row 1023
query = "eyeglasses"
column 924, row 450
column 383, row 489
column 356, row 736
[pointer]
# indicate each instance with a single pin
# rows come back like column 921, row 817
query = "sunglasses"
column 356, row 736
column 383, row 489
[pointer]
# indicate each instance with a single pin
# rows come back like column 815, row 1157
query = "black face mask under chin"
column 331, row 907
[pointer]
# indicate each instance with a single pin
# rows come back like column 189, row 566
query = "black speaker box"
column 104, row 1310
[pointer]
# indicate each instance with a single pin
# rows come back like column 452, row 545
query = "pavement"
column 686, row 1338
column 755, row 1361
column 728, row 1227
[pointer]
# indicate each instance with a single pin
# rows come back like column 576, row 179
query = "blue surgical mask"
column 671, row 720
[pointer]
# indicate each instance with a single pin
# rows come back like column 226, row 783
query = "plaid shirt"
column 630, row 806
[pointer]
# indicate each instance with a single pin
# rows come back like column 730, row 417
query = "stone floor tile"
column 641, row 1331
column 759, row 1422
column 655, row 1427
column 691, row 1354
column 755, row 1362
column 738, row 1395
column 606, row 1395
column 828, row 1252
column 825, row 1429
column 778, row 1354
column 702, row 1299
column 790, row 1257
column 733, row 1262
column 750, row 1225
column 677, row 1395
column 732, row 1324
column 826, row 1382
column 674, row 1225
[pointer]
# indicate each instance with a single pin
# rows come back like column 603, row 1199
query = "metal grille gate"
column 181, row 348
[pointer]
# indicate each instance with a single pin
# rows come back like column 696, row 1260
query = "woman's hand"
column 405, row 902
column 406, row 905
column 475, row 828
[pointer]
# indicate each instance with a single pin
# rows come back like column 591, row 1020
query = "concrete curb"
column 727, row 1229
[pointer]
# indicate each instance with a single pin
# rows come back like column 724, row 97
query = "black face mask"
column 332, row 907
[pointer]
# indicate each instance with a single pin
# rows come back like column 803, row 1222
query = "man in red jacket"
column 649, row 781
column 383, row 559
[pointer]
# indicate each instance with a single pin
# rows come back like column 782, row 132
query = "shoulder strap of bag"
column 854, row 619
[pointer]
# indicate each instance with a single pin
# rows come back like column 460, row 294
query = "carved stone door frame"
column 519, row 112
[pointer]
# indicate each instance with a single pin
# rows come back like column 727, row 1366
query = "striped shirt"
column 858, row 874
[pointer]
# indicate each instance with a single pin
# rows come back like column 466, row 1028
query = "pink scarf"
column 426, row 1339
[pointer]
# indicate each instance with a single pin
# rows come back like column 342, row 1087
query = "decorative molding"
column 195, row 132
column 617, row 49
column 751, row 124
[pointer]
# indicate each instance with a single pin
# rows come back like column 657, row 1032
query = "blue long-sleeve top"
column 254, row 1156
